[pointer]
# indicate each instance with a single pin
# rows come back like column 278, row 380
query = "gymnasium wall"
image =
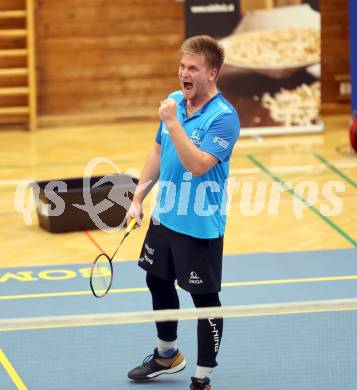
column 334, row 56
column 105, row 59
column 10, row 80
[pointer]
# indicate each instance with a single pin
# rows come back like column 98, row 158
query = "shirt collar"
column 183, row 102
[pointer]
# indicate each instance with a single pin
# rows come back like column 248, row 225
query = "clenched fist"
column 167, row 110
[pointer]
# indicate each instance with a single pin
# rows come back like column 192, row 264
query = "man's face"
column 194, row 75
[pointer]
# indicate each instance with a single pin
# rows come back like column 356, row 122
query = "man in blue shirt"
column 190, row 159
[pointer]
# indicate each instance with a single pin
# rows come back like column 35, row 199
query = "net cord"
column 7, row 324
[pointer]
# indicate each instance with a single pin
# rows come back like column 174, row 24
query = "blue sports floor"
column 309, row 351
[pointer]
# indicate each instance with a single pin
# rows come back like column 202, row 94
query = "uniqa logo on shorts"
column 194, row 278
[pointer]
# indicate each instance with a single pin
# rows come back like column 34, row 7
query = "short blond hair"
column 209, row 47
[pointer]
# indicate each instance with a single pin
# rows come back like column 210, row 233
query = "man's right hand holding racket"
column 135, row 211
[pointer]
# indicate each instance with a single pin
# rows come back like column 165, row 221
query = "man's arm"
column 149, row 176
column 194, row 160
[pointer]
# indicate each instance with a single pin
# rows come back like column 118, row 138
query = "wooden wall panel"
column 15, row 68
column 106, row 56
column 334, row 55
column 12, row 43
column 12, row 4
column 119, row 58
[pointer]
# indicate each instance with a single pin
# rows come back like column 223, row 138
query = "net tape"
column 258, row 310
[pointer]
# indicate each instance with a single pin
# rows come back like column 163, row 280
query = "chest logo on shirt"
column 195, row 137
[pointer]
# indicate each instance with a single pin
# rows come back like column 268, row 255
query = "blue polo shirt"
column 196, row 205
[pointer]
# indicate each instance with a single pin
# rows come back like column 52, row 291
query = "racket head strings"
column 101, row 276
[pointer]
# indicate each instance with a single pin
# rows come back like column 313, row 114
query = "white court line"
column 15, row 182
column 280, row 130
column 242, row 171
column 295, row 168
column 259, row 141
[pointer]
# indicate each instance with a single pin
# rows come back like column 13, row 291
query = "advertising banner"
column 272, row 66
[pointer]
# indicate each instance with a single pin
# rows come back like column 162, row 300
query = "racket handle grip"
column 131, row 226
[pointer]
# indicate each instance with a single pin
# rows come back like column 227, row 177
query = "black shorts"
column 196, row 263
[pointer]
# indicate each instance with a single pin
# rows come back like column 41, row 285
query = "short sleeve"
column 221, row 136
column 158, row 134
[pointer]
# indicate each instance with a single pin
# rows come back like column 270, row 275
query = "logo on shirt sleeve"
column 221, row 142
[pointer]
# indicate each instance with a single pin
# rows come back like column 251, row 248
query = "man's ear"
column 213, row 74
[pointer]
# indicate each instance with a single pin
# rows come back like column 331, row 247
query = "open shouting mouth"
column 187, row 86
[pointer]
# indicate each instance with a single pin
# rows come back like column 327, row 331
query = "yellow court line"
column 69, row 293
column 11, row 371
column 227, row 284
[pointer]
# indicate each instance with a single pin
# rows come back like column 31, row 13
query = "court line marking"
column 15, row 182
column 14, row 376
column 262, row 142
column 56, row 164
column 93, row 241
column 293, row 168
column 144, row 289
column 280, row 168
column 302, row 199
column 334, row 169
